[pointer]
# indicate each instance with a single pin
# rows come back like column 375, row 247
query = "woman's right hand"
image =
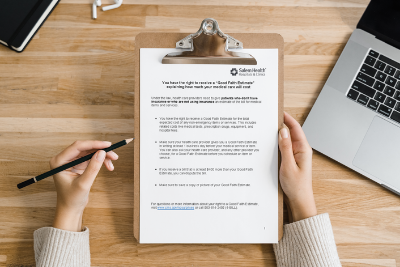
column 296, row 170
column 73, row 185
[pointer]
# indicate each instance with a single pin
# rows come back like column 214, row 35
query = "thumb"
column 285, row 146
column 93, row 168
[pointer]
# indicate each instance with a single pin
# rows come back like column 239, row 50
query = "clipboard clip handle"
column 209, row 27
column 209, row 45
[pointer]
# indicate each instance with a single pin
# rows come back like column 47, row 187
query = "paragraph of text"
column 176, row 101
column 168, row 149
column 174, row 124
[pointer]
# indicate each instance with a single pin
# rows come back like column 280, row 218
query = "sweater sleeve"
column 56, row 247
column 308, row 242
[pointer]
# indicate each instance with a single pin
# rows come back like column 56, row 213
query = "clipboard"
column 206, row 50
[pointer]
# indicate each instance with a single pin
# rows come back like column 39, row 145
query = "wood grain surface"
column 75, row 82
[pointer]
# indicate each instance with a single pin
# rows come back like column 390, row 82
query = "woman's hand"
column 73, row 185
column 296, row 170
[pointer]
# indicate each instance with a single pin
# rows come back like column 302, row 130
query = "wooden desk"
column 75, row 81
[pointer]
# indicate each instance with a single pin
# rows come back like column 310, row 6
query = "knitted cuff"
column 308, row 242
column 56, row 247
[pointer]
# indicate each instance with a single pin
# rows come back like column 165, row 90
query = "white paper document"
column 208, row 150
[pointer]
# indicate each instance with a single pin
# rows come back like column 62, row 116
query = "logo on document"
column 234, row 71
column 248, row 71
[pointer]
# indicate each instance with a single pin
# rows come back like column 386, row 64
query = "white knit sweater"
column 55, row 247
column 309, row 242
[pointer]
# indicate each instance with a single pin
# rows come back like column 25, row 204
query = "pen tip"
column 129, row 140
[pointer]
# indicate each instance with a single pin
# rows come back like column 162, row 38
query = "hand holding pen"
column 73, row 185
column 74, row 171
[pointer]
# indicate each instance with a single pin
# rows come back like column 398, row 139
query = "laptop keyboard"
column 377, row 85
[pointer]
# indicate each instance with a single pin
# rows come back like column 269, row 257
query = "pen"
column 70, row 164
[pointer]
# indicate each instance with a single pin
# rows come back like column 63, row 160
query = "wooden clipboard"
column 169, row 40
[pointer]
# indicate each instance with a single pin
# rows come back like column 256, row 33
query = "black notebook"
column 20, row 20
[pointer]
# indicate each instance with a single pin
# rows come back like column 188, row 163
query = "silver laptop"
column 356, row 118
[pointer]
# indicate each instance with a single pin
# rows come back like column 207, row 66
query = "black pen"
column 70, row 164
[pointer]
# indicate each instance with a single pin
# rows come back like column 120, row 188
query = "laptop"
column 356, row 118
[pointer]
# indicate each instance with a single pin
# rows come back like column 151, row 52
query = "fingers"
column 301, row 149
column 93, row 168
column 75, row 149
column 285, row 146
column 296, row 132
column 108, row 164
column 108, row 161
column 299, row 140
column 112, row 155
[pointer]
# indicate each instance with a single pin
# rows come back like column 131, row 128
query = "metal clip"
column 209, row 45
column 209, row 27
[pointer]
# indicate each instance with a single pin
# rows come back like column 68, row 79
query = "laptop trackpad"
column 379, row 153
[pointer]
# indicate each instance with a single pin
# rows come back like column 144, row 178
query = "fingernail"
column 108, row 142
column 101, row 155
column 284, row 133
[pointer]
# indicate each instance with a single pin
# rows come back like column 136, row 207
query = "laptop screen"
column 382, row 19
